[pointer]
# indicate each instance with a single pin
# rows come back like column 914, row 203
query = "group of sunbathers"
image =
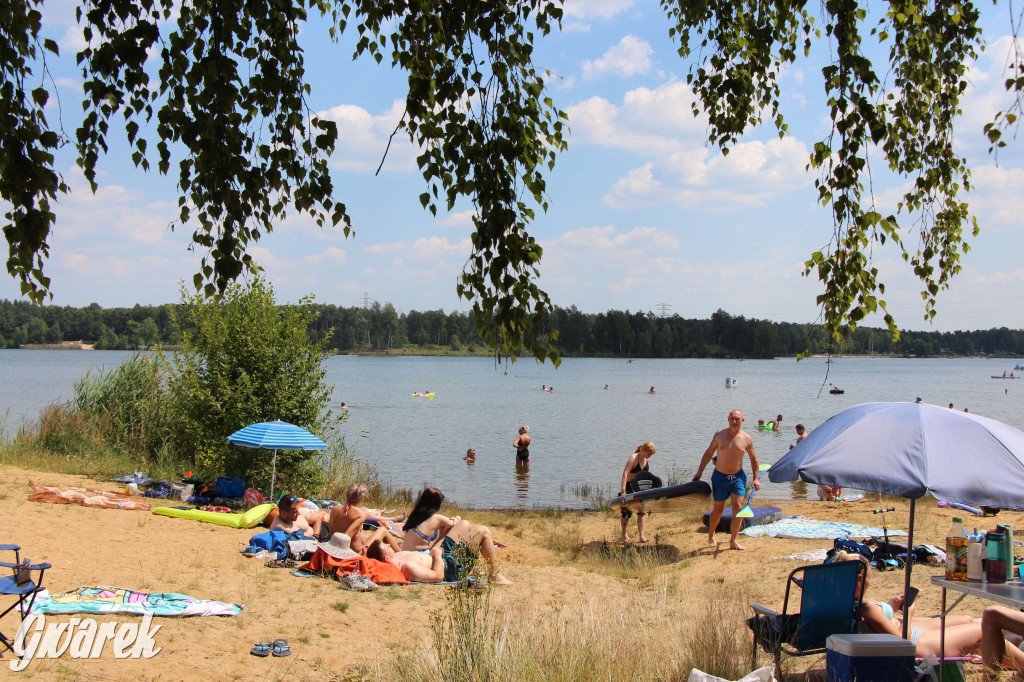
column 995, row 635
column 426, row 550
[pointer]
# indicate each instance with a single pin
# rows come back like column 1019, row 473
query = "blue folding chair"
column 24, row 593
column 829, row 605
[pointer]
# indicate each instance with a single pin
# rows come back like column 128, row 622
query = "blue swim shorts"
column 724, row 485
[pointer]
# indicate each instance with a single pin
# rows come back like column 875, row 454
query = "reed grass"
column 646, row 634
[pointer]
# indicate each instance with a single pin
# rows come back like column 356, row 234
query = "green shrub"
column 245, row 360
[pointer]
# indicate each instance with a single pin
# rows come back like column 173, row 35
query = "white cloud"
column 363, row 139
column 597, row 9
column 73, row 39
column 423, row 250
column 631, row 56
column 460, row 219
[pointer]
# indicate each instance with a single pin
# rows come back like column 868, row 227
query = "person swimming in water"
column 470, row 455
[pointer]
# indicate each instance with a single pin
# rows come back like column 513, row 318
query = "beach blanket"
column 802, row 527
column 103, row 599
column 58, row 494
column 378, row 571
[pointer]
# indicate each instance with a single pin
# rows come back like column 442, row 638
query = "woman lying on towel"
column 350, row 517
column 425, row 528
column 963, row 633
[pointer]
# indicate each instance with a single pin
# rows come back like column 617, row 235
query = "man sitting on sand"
column 290, row 520
column 418, row 566
column 729, row 481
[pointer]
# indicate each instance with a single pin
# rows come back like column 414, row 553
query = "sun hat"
column 339, row 546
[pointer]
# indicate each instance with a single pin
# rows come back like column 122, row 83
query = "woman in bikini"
column 350, row 517
column 963, row 633
column 425, row 528
column 636, row 463
column 522, row 446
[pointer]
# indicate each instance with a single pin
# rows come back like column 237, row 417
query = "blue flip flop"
column 261, row 649
column 281, row 648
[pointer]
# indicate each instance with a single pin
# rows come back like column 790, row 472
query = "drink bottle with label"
column 956, row 551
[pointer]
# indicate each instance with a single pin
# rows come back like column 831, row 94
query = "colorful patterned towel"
column 123, row 600
column 86, row 497
column 802, row 527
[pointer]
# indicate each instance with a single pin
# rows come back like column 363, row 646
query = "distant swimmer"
column 606, row 387
column 543, row 387
column 522, row 446
column 470, row 455
column 551, row 389
column 343, row 405
column 652, row 390
column 778, row 420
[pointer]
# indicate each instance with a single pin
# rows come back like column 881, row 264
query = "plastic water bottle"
column 956, row 551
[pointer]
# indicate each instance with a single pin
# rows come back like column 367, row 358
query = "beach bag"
column 253, row 497
column 229, row 487
column 180, row 491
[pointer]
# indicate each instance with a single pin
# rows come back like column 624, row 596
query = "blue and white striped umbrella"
column 276, row 435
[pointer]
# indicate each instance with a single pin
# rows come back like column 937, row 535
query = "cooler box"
column 869, row 658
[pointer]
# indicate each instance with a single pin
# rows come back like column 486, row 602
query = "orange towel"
column 379, row 572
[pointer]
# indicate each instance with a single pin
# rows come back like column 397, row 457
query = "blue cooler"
column 869, row 658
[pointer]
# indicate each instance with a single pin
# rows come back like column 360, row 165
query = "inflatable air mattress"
column 247, row 520
column 761, row 515
column 682, row 497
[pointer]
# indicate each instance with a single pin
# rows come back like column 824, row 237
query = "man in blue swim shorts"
column 729, row 481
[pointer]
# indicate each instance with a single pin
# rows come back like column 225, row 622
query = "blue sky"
column 641, row 212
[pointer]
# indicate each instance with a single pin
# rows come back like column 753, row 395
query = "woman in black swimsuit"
column 425, row 528
column 522, row 446
column 636, row 463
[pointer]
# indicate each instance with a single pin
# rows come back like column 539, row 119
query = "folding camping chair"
column 24, row 593
column 829, row 605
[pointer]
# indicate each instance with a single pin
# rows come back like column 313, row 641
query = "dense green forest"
column 613, row 333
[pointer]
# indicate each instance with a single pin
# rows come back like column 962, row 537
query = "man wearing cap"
column 290, row 520
column 418, row 566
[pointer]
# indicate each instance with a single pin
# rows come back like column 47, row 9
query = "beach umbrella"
column 909, row 450
column 276, row 435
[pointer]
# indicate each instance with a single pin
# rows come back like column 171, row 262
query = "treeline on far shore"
column 381, row 328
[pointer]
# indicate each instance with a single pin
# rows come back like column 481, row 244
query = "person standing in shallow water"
column 522, row 446
column 729, row 481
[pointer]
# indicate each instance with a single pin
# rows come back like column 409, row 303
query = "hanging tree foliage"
column 230, row 98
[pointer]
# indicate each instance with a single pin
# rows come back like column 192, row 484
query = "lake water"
column 582, row 433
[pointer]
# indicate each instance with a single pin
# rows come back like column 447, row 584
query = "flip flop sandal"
column 261, row 649
column 281, row 648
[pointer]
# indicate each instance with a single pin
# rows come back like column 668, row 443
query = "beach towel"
column 802, row 527
column 379, row 572
column 58, row 494
column 104, row 599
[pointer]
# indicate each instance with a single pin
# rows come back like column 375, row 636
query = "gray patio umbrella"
column 908, row 450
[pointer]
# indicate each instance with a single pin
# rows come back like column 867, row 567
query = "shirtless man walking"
column 729, row 481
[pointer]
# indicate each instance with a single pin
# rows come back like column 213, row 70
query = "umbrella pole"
column 907, row 566
column 273, row 475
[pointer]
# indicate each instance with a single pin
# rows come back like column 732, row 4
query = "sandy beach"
column 335, row 634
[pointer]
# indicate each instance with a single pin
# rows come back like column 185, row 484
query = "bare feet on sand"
column 499, row 579
column 626, row 540
column 712, row 543
column 736, row 545
column 643, row 539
